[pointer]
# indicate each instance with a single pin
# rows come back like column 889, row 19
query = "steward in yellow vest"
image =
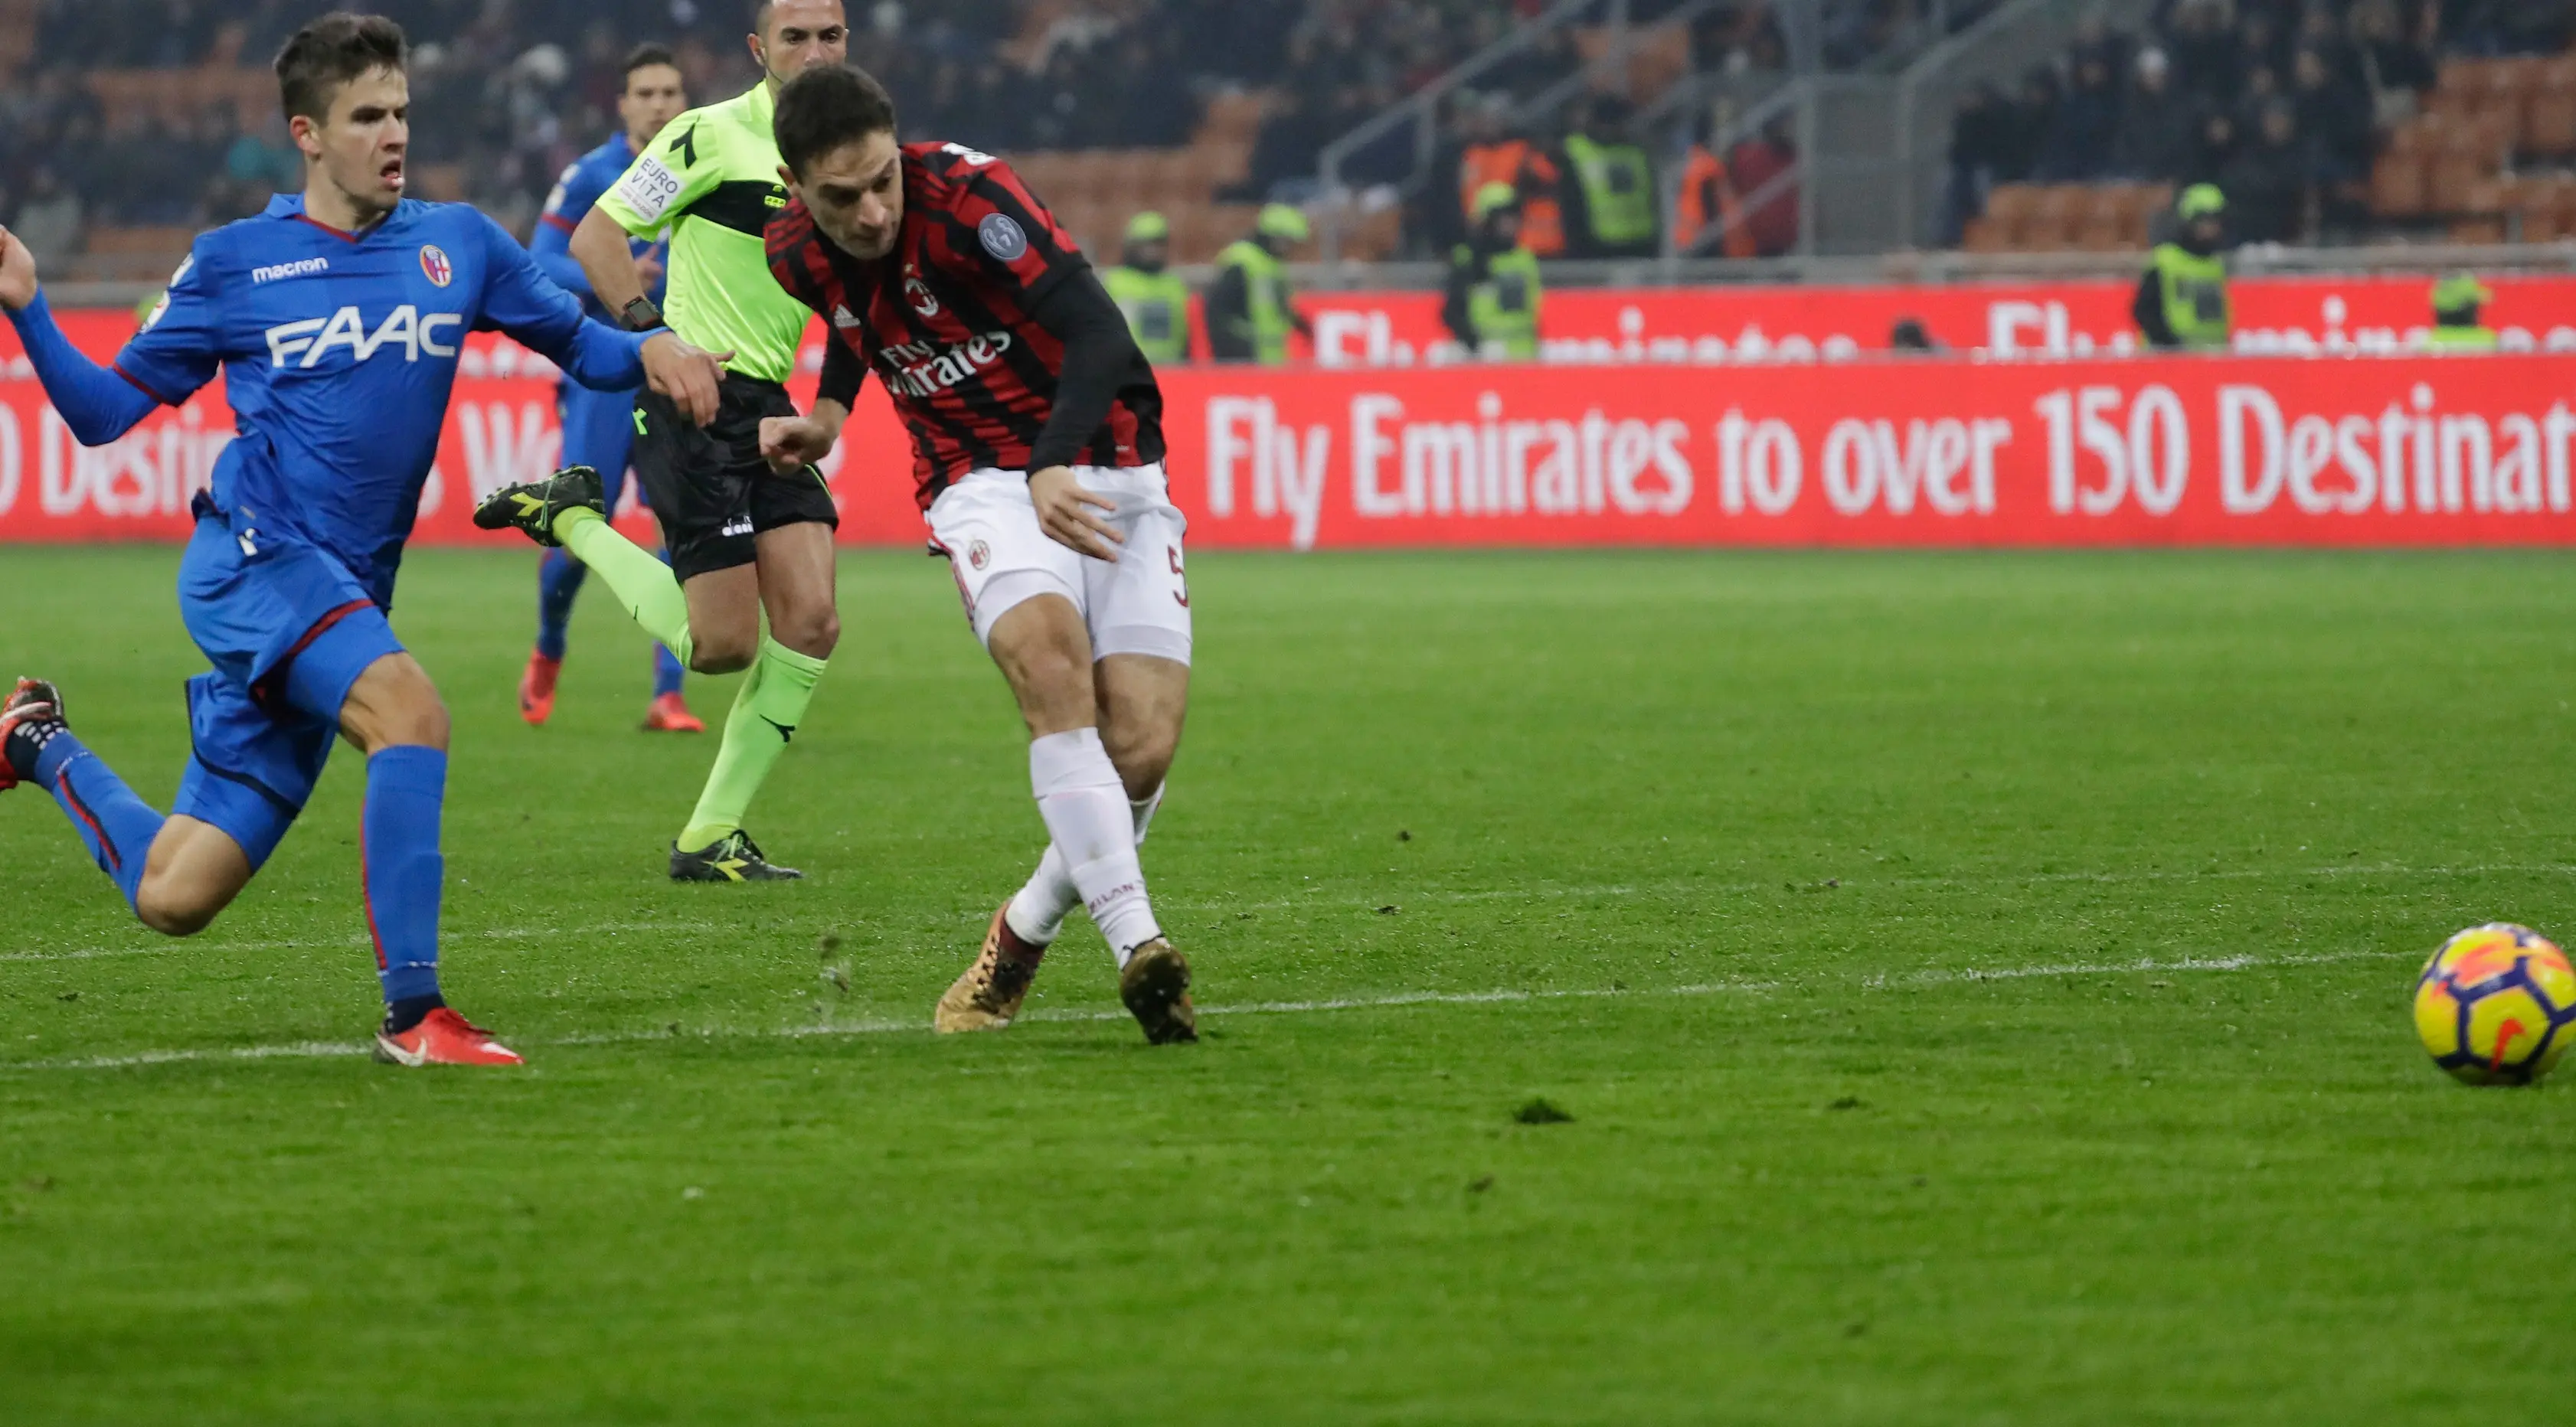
column 1614, row 210
column 1494, row 293
column 2182, row 302
column 1156, row 301
column 1248, row 312
column 2457, row 302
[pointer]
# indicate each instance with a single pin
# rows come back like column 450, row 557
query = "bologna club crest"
column 435, row 265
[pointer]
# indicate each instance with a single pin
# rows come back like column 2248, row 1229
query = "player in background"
column 743, row 540
column 336, row 318
column 599, row 426
column 1038, row 455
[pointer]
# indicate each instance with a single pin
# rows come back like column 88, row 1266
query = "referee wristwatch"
column 641, row 315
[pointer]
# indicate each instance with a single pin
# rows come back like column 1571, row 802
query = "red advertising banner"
column 2358, row 450
column 2171, row 451
column 2300, row 316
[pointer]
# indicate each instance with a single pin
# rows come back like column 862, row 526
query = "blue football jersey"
column 576, row 193
column 339, row 352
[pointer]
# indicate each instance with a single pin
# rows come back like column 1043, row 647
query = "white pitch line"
column 1320, row 901
column 1396, row 1000
column 175, row 946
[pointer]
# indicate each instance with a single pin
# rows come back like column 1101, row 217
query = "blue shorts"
column 599, row 432
column 289, row 630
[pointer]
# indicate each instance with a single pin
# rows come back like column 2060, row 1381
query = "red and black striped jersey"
column 944, row 320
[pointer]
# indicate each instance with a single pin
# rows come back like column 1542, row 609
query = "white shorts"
column 988, row 528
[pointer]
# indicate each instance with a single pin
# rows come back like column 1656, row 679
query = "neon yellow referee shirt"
column 711, row 177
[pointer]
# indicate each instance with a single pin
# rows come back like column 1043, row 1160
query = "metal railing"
column 2015, row 18
column 2420, row 259
column 1791, row 96
column 1422, row 108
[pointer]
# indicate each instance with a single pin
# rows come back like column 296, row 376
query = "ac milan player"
column 1038, row 449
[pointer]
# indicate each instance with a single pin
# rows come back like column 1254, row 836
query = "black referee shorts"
column 708, row 485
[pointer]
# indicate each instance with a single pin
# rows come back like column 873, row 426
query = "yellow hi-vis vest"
column 2445, row 337
column 1265, row 288
column 1618, row 189
column 2196, row 304
column 1504, row 306
column 1158, row 311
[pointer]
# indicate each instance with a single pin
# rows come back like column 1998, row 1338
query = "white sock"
column 1037, row 913
column 1094, row 828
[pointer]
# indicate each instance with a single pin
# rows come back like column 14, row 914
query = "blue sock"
column 117, row 826
column 559, row 578
column 398, row 843
column 667, row 670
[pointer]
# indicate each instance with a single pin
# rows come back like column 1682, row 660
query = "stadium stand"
column 2331, row 121
column 147, row 117
column 2326, row 120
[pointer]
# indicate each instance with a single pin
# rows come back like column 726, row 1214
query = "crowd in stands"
column 507, row 92
column 2284, row 104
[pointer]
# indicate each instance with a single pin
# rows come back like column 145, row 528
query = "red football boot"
column 670, row 714
column 33, row 701
column 537, row 689
column 443, row 1038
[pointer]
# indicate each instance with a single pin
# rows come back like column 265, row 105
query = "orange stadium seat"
column 1990, row 235
column 2536, row 206
column 1375, row 237
column 151, row 242
column 1234, row 117
column 1657, row 56
column 2056, row 217
column 2418, row 137
column 2103, row 233
column 1037, row 169
column 2453, row 106
column 1211, row 165
column 2549, row 123
column 1123, row 175
column 2453, row 182
column 2564, row 192
column 2397, row 187
column 2512, row 82
column 1169, row 179
column 2012, row 202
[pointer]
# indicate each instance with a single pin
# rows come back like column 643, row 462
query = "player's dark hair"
column 760, row 15
column 327, row 54
column 822, row 109
column 646, row 56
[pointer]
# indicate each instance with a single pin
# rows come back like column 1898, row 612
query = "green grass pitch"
column 1977, row 984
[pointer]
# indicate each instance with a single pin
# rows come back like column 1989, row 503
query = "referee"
column 740, row 537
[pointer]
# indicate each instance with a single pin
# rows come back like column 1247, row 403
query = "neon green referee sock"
column 765, row 714
column 634, row 574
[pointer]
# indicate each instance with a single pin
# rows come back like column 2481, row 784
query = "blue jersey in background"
column 583, row 181
column 598, row 426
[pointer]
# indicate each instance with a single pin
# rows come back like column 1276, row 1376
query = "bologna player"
column 337, row 318
column 1038, row 452
column 599, row 426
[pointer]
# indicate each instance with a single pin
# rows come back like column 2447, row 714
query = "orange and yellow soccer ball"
column 2497, row 1005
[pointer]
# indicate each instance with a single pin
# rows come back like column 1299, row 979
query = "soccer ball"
column 2496, row 1005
